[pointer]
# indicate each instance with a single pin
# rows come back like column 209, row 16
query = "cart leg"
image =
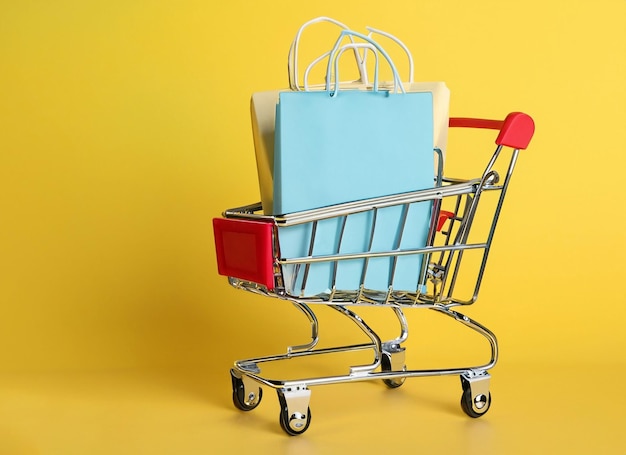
column 393, row 354
column 376, row 343
column 314, row 329
column 476, row 398
column 295, row 414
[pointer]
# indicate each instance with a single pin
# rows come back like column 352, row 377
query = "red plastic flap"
column 444, row 216
column 245, row 250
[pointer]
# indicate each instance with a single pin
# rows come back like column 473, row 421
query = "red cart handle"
column 516, row 130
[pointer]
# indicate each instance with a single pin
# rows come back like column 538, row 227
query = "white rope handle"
column 332, row 58
column 292, row 59
column 341, row 50
column 404, row 47
column 355, row 46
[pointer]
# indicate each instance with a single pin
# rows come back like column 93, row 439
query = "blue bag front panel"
column 355, row 145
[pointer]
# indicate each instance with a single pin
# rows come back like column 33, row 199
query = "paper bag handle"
column 354, row 46
column 395, row 39
column 292, row 59
column 363, row 59
column 367, row 39
column 340, row 51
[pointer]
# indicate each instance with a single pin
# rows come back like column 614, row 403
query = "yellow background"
column 125, row 128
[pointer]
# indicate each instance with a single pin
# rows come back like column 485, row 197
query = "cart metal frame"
column 454, row 207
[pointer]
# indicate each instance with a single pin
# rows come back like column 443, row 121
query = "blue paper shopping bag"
column 334, row 146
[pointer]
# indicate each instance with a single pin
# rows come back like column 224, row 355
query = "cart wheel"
column 477, row 407
column 385, row 365
column 243, row 399
column 294, row 424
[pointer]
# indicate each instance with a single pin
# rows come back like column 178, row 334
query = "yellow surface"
column 124, row 128
column 536, row 409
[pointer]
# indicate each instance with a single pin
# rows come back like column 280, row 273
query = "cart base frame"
column 389, row 366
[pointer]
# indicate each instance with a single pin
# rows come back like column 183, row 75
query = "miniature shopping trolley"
column 250, row 251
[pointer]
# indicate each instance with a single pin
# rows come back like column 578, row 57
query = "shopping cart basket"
column 248, row 246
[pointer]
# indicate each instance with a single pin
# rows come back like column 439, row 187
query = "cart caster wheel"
column 294, row 422
column 385, row 365
column 244, row 398
column 475, row 407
